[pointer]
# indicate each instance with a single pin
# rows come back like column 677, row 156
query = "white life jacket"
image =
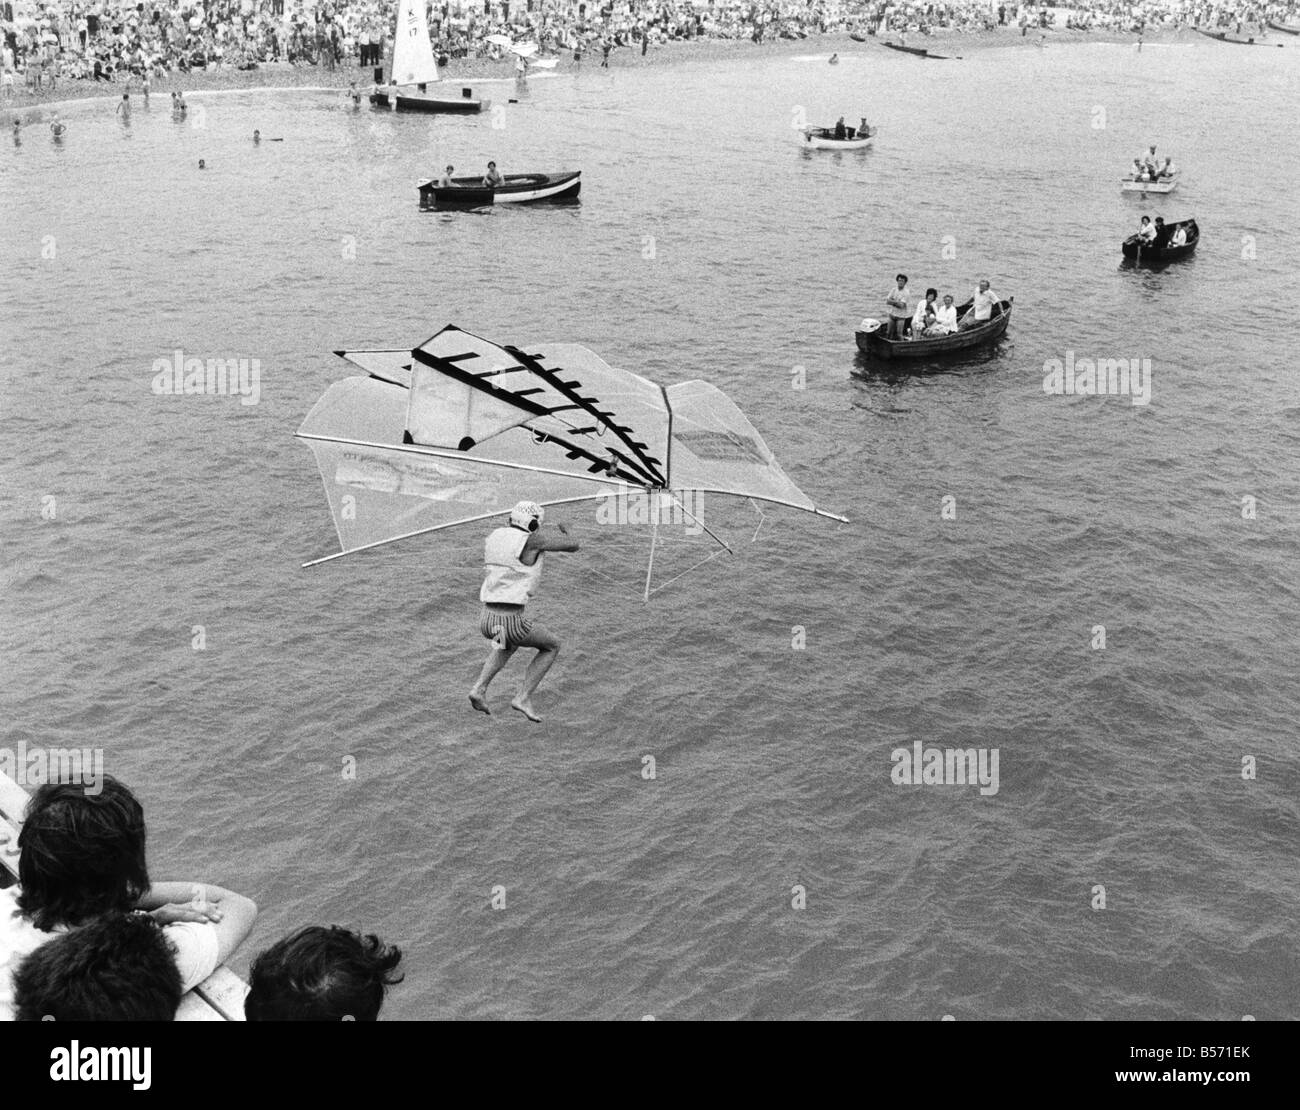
column 508, row 581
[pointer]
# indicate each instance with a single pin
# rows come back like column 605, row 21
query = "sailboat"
column 414, row 68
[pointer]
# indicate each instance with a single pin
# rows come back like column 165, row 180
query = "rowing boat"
column 1134, row 248
column 1163, row 185
column 1284, row 28
column 519, row 188
column 856, row 37
column 871, row 336
column 919, row 51
column 823, row 138
column 1223, row 36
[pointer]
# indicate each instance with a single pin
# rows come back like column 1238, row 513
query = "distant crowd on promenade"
column 114, row 40
column 88, row 935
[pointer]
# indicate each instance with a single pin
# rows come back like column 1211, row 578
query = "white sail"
column 413, row 62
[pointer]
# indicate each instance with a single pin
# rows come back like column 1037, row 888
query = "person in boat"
column 1179, row 237
column 1167, row 170
column 840, row 131
column 1149, row 158
column 445, row 181
column 322, row 973
column 1161, row 236
column 1137, row 169
column 923, row 309
column 983, row 303
column 513, row 568
column 945, row 317
column 492, row 179
column 1146, row 232
column 83, row 858
column 864, row 129
column 899, row 312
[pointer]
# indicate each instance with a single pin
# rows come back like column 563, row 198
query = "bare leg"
column 498, row 658
column 548, row 649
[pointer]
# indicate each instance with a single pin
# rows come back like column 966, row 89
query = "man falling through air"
column 513, row 563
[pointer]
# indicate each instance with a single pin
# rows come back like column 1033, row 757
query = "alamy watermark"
column 1113, row 377
column 922, row 766
column 630, row 506
column 220, row 377
column 67, row 766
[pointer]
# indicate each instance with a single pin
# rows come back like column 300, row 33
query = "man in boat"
column 864, row 129
column 512, row 561
column 981, row 307
column 1137, row 169
column 492, row 179
column 1146, row 232
column 1179, row 238
column 1167, row 170
column 899, row 312
column 445, row 181
column 1161, row 236
column 840, row 132
column 1149, row 158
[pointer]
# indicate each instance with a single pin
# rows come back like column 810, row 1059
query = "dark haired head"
column 82, row 854
column 901, row 277
column 321, row 973
column 931, row 293
column 120, row 968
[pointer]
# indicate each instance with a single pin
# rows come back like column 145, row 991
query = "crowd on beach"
column 115, row 40
column 87, row 935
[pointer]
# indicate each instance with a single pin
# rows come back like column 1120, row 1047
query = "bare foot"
column 525, row 706
column 479, row 702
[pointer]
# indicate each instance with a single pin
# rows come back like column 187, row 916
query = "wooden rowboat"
column 519, row 188
column 872, row 341
column 823, row 138
column 1163, row 185
column 857, row 37
column 919, row 51
column 1133, row 247
column 1284, row 28
column 1223, row 36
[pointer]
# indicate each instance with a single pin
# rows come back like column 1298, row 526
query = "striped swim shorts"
column 505, row 624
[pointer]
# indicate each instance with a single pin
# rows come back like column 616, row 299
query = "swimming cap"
column 527, row 515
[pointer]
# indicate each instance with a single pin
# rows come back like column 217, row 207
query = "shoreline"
column 284, row 77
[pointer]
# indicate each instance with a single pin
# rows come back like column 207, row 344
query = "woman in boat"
column 899, row 312
column 492, row 179
column 1146, row 233
column 945, row 318
column 1179, row 238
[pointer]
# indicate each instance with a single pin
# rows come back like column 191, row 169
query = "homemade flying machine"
column 460, row 428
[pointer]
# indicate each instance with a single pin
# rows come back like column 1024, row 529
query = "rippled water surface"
column 707, row 244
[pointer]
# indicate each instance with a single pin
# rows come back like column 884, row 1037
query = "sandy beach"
column 33, row 106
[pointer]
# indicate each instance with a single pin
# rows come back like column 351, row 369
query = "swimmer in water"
column 57, row 126
column 201, row 165
column 18, row 133
column 512, row 560
column 124, row 107
column 257, row 136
